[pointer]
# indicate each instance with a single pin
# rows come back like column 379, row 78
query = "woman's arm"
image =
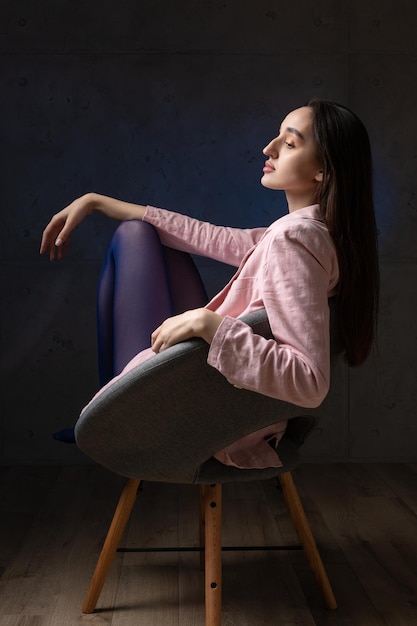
column 176, row 230
column 56, row 235
column 222, row 243
column 295, row 367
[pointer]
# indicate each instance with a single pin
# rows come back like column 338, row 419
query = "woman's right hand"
column 57, row 233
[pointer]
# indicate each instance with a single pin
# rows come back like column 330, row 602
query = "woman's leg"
column 141, row 284
column 187, row 288
column 133, row 296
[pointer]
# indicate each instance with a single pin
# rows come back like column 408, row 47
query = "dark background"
column 170, row 103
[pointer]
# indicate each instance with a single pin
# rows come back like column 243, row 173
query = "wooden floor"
column 53, row 521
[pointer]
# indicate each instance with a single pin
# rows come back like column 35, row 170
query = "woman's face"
column 293, row 165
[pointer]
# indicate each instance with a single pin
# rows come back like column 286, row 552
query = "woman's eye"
column 290, row 145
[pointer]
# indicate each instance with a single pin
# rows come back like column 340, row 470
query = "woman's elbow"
column 313, row 391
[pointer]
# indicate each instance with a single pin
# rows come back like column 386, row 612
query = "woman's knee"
column 134, row 230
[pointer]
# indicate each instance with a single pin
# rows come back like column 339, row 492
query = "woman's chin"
column 267, row 182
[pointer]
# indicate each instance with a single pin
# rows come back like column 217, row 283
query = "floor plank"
column 375, row 533
column 54, row 521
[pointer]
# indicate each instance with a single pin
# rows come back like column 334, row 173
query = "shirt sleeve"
column 295, row 366
column 222, row 243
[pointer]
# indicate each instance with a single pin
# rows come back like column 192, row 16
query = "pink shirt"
column 290, row 269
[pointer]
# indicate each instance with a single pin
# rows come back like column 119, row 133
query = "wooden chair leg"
column 299, row 519
column 111, row 543
column 202, row 526
column 213, row 553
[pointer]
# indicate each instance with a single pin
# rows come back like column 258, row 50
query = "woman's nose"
column 271, row 149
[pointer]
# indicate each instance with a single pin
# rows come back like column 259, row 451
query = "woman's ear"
column 319, row 176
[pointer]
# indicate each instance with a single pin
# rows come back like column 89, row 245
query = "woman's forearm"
column 56, row 235
column 113, row 208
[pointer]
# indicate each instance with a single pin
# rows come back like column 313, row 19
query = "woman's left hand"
column 195, row 323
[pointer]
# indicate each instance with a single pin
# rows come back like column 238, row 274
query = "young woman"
column 326, row 246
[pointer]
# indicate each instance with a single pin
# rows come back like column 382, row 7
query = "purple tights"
column 142, row 283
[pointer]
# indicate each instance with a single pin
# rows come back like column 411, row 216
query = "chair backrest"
column 164, row 419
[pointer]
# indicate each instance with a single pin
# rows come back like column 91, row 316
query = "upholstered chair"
column 163, row 421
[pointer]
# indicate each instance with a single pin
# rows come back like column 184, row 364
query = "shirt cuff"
column 216, row 350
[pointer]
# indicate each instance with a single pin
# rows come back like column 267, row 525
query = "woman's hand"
column 56, row 235
column 195, row 323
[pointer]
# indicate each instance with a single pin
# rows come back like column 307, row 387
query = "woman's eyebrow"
column 294, row 131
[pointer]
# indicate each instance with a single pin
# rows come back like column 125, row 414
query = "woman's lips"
column 268, row 168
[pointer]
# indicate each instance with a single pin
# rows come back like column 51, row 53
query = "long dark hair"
column 345, row 197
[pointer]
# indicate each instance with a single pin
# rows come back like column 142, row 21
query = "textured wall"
column 171, row 103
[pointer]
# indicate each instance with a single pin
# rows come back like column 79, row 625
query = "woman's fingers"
column 56, row 235
column 52, row 239
column 195, row 323
column 172, row 331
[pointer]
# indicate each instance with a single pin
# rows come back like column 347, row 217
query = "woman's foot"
column 66, row 435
